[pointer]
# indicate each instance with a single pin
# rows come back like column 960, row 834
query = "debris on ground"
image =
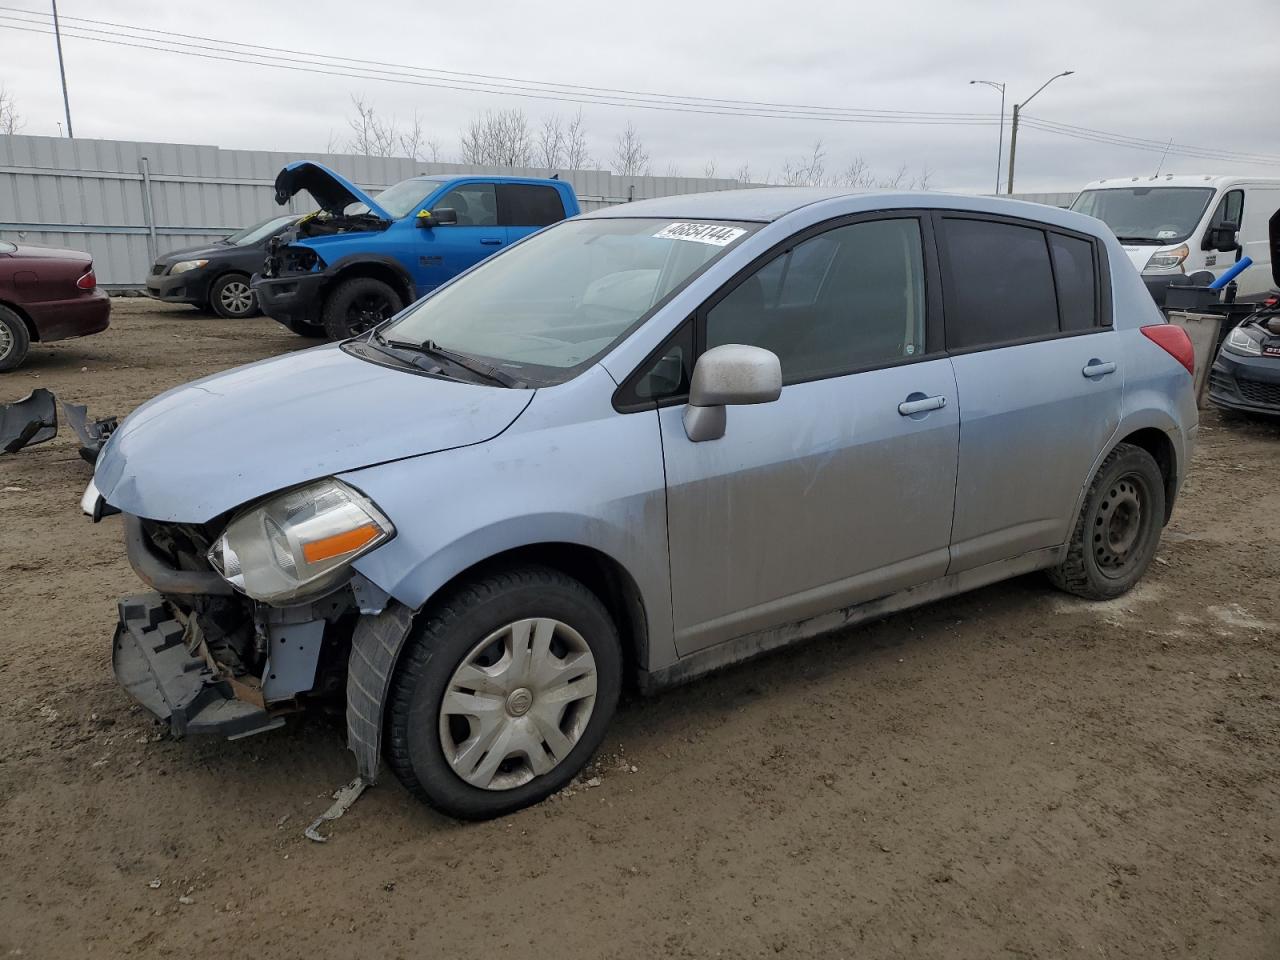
column 343, row 798
column 26, row 422
column 92, row 433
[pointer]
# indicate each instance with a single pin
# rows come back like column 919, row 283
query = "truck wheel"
column 231, row 296
column 1118, row 530
column 358, row 304
column 14, row 340
column 304, row 329
column 504, row 693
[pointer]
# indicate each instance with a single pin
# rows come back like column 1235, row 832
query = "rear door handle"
column 911, row 407
column 490, row 242
column 1098, row 368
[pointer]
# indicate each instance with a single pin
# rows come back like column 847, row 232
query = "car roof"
column 482, row 177
column 767, row 204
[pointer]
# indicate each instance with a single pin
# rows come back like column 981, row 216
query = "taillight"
column 1175, row 342
column 88, row 281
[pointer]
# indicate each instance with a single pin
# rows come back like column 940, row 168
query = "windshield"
column 404, row 198
column 547, row 307
column 260, row 231
column 1147, row 214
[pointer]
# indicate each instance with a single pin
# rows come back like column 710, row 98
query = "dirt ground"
column 1013, row 773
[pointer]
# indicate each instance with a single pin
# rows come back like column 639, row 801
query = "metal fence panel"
column 125, row 201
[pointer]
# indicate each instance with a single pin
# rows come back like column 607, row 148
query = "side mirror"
column 729, row 375
column 1223, row 237
column 438, row 217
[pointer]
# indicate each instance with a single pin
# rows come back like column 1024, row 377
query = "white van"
column 1182, row 224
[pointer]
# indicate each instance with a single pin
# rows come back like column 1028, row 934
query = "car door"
column 1039, row 371
column 842, row 489
column 1230, row 210
column 445, row 250
column 524, row 208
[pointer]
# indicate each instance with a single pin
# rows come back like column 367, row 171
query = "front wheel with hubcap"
column 359, row 304
column 504, row 693
column 230, row 296
column 1118, row 531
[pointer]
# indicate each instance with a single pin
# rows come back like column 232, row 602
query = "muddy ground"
column 1013, row 773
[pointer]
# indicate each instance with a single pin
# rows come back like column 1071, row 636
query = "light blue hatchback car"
column 634, row 447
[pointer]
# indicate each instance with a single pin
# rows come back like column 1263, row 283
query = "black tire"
column 231, row 297
column 355, row 305
column 1119, row 528
column 449, row 634
column 305, row 329
column 15, row 341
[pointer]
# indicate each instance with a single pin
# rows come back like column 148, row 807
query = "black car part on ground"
column 31, row 420
column 93, row 434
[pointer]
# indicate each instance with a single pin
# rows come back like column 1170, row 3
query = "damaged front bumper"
column 167, row 670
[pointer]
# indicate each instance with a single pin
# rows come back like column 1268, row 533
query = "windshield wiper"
column 432, row 349
column 1150, row 240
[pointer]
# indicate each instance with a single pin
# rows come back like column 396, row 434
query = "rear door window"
column 1073, row 269
column 528, row 205
column 999, row 283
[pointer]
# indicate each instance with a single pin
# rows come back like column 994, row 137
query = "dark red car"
column 46, row 294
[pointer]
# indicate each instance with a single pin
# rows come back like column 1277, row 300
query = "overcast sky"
column 1201, row 76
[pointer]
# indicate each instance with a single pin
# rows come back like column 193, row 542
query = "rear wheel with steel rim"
column 1119, row 527
column 504, row 692
column 15, row 341
column 231, row 296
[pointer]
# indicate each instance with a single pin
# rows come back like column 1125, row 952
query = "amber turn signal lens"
column 335, row 546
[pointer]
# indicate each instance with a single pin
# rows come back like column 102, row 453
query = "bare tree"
column 630, row 158
column 856, row 174
column 576, row 156
column 415, row 143
column 894, row 182
column 709, row 170
column 921, row 180
column 549, row 151
column 807, row 171
column 673, row 170
column 744, row 173
column 498, row 137
column 10, row 120
column 371, row 136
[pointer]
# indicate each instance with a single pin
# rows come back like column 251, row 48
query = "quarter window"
column 1000, row 287
column 1077, row 287
column 475, row 204
column 850, row 298
column 527, row 205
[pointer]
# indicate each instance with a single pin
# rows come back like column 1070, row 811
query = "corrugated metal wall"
column 125, row 201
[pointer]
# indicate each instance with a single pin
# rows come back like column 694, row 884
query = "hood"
column 194, row 253
column 332, row 191
column 1273, row 236
column 201, row 449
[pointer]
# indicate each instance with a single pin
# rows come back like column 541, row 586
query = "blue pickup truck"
column 358, row 260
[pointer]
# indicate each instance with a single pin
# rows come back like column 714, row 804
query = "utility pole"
column 1017, row 109
column 62, row 70
column 995, row 84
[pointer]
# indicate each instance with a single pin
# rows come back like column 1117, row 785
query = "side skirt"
column 755, row 644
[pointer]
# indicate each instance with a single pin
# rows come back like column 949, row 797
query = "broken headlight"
column 299, row 544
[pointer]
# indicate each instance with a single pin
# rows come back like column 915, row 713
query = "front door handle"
column 490, row 242
column 910, row 408
column 1098, row 368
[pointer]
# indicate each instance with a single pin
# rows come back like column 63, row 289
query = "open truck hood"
column 202, row 449
column 332, row 191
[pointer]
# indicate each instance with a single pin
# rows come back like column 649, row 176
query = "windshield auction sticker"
column 712, row 233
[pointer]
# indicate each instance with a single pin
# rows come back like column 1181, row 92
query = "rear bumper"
column 77, row 317
column 293, row 297
column 191, row 288
column 1247, row 384
column 152, row 662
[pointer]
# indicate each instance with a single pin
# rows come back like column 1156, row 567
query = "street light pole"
column 1017, row 109
column 1000, row 139
column 66, row 102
